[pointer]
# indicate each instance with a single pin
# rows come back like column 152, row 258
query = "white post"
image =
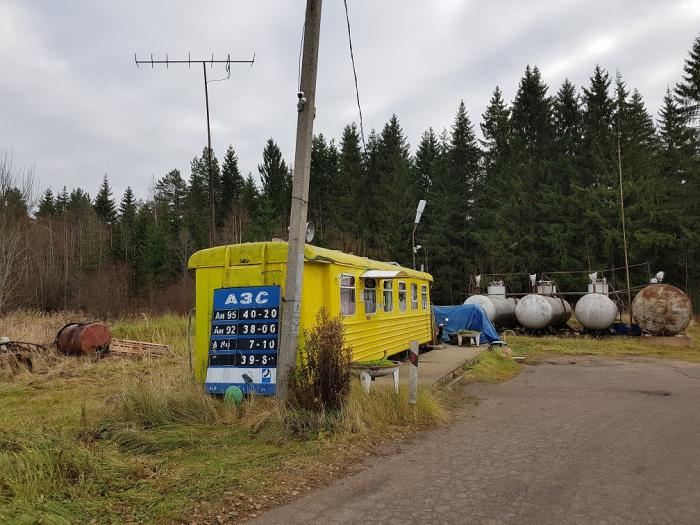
column 413, row 374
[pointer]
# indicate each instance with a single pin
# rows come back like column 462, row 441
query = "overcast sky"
column 74, row 105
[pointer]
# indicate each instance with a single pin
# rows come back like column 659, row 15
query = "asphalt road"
column 572, row 440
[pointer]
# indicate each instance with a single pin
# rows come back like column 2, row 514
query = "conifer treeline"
column 539, row 192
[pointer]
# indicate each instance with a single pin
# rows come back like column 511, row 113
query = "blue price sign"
column 244, row 339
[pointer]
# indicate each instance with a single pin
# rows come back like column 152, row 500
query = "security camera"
column 302, row 100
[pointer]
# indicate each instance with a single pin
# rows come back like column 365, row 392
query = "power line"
column 354, row 72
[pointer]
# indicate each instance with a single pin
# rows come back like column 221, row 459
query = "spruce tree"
column 393, row 195
column 345, row 204
column 323, row 176
column 47, row 206
column 62, row 201
column 78, row 202
column 426, row 160
column 197, row 213
column 688, row 90
column 250, row 196
column 125, row 227
column 276, row 184
column 250, row 206
column 171, row 201
column 568, row 125
column 598, row 196
column 104, row 206
column 534, row 213
column 451, row 213
column 230, row 187
column 495, row 230
column 650, row 228
column 151, row 261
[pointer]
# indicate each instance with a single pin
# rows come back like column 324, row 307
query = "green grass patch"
column 489, row 367
column 376, row 363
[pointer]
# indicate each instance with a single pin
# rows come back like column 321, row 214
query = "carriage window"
column 388, row 295
column 347, row 294
column 402, row 296
column 370, row 296
column 424, row 296
column 414, row 296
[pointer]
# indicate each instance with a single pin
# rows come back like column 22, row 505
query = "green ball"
column 234, row 394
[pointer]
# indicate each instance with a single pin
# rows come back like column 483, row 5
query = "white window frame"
column 388, row 291
column 369, row 294
column 424, row 296
column 414, row 296
column 348, row 287
column 402, row 292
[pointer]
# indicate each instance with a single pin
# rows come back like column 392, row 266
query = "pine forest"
column 537, row 190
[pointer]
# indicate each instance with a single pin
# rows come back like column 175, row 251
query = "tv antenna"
column 210, row 62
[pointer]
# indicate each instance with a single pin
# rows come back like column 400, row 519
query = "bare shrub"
column 105, row 291
column 321, row 379
column 177, row 297
column 17, row 198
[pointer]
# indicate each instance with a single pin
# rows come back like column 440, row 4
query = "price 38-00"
column 245, row 329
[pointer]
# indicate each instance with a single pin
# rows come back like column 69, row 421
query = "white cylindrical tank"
column 541, row 311
column 596, row 311
column 499, row 309
column 485, row 303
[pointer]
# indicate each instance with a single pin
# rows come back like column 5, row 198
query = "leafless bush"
column 17, row 198
column 105, row 291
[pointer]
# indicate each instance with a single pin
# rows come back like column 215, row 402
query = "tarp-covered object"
column 464, row 317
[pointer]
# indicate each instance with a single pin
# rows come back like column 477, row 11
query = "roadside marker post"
column 413, row 374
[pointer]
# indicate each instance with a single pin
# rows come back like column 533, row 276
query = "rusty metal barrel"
column 662, row 309
column 83, row 338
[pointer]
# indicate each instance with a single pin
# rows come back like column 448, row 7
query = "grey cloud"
column 73, row 103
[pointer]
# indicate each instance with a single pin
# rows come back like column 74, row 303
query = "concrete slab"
column 436, row 367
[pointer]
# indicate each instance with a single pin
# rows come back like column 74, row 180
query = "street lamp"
column 419, row 213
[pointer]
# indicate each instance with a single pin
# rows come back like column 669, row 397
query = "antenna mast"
column 622, row 214
column 211, row 62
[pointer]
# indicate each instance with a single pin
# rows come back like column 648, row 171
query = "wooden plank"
column 138, row 348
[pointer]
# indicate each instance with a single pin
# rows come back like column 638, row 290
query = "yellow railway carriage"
column 383, row 306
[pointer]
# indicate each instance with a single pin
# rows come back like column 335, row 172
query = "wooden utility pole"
column 306, row 111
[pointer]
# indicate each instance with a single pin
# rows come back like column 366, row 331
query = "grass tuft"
column 489, row 367
column 164, row 399
column 39, row 474
column 382, row 411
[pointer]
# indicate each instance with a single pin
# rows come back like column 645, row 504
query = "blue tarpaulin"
column 464, row 317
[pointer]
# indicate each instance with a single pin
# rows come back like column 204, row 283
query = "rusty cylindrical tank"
column 662, row 309
column 83, row 338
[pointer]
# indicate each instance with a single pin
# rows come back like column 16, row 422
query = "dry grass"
column 616, row 346
column 382, row 412
column 107, row 439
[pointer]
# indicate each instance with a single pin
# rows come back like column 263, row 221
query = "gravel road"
column 572, row 440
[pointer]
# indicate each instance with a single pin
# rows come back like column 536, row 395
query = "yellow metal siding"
column 255, row 264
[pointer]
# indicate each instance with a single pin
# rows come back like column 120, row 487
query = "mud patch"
column 660, row 393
